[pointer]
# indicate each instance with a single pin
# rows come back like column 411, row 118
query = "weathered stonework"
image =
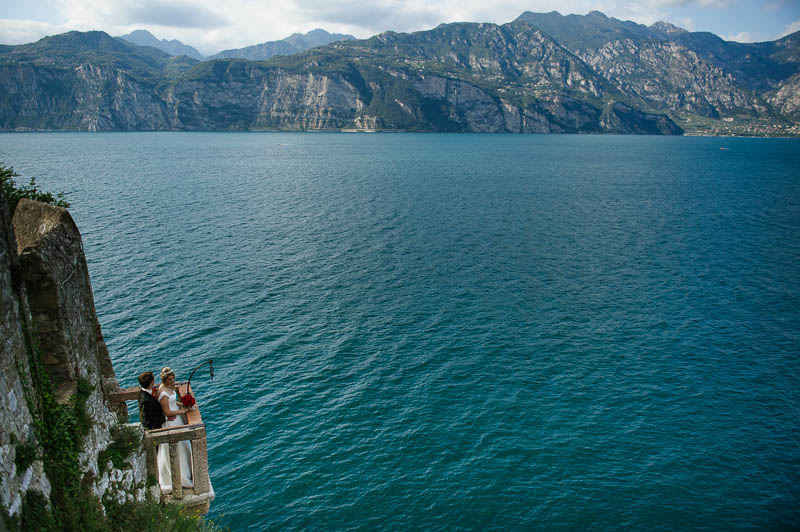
column 16, row 418
column 46, row 299
column 124, row 485
column 54, row 270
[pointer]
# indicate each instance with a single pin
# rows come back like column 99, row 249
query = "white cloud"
column 720, row 4
column 791, row 28
column 686, row 23
column 234, row 23
column 213, row 26
column 742, row 36
column 23, row 31
column 174, row 13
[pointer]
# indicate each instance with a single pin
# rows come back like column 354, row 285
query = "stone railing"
column 199, row 496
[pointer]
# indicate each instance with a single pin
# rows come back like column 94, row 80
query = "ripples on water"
column 459, row 331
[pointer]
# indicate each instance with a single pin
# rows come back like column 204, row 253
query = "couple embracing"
column 163, row 409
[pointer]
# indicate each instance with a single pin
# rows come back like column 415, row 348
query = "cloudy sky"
column 214, row 25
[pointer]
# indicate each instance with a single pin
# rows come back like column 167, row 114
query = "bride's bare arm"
column 164, row 402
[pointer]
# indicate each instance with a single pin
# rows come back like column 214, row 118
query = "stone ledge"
column 173, row 435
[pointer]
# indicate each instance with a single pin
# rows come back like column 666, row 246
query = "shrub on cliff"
column 15, row 192
column 156, row 517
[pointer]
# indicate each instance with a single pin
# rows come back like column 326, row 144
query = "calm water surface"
column 458, row 331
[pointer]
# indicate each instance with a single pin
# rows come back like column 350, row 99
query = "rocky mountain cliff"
column 539, row 73
column 690, row 75
column 754, row 66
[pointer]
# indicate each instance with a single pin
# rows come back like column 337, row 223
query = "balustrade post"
column 200, row 465
column 151, row 455
column 175, row 469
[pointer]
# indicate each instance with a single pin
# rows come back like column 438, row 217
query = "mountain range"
column 173, row 47
column 543, row 72
column 296, row 42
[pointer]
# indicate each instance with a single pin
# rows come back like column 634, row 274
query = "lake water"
column 433, row 331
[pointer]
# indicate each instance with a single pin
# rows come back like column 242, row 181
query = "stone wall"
column 16, row 418
column 53, row 268
column 47, row 299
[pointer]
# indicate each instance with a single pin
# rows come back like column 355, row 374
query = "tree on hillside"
column 15, row 192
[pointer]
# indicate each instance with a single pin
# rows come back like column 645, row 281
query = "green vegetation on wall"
column 156, row 517
column 60, row 430
column 124, row 441
column 25, row 453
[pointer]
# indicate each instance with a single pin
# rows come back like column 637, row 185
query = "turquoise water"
column 458, row 331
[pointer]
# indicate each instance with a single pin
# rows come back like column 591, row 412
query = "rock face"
column 623, row 117
column 16, row 417
column 46, row 299
column 249, row 96
column 668, row 68
column 669, row 76
column 54, row 270
column 243, row 95
column 787, row 97
column 85, row 97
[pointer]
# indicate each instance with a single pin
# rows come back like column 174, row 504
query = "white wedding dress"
column 184, row 451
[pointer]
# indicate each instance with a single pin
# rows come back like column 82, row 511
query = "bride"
column 168, row 399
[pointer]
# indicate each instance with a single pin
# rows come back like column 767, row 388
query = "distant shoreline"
column 385, row 131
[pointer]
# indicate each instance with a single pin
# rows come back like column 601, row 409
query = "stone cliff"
column 671, row 77
column 239, row 95
column 56, row 420
column 85, row 97
column 245, row 95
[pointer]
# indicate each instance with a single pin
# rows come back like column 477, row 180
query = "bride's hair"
column 166, row 372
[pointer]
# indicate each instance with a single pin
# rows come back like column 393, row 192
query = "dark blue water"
column 459, row 331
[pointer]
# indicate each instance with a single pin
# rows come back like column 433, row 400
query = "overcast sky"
column 211, row 26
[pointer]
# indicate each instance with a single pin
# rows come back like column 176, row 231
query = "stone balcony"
column 199, row 496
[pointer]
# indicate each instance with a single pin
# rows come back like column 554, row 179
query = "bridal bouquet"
column 188, row 401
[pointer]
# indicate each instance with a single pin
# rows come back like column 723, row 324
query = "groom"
column 150, row 413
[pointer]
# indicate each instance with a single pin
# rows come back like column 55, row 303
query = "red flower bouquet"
column 188, row 401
